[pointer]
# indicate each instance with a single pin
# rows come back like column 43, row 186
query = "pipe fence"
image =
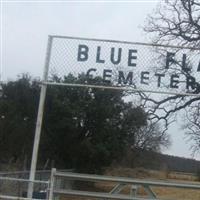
column 16, row 188
column 116, row 187
column 64, row 185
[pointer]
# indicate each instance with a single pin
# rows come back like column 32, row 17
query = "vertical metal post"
column 52, row 181
column 134, row 190
column 39, row 121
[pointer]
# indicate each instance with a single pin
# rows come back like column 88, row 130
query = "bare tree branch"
column 176, row 22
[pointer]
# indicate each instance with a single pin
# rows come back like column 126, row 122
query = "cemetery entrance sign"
column 126, row 65
column 121, row 65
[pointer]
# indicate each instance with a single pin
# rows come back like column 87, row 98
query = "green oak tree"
column 83, row 128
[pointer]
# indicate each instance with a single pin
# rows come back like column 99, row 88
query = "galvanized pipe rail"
column 121, row 182
column 22, row 180
column 87, row 177
column 99, row 195
column 3, row 197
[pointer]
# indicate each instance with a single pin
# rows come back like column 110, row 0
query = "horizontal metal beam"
column 3, row 173
column 21, row 180
column 22, row 172
column 15, row 198
column 125, row 42
column 99, row 195
column 120, row 88
column 97, row 178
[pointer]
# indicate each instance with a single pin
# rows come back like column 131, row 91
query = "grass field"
column 161, row 192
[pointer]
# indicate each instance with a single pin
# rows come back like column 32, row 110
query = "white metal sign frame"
column 45, row 83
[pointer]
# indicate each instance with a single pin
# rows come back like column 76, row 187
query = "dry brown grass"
column 161, row 192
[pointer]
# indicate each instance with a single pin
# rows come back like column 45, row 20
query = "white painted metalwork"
column 46, row 82
column 22, row 180
column 126, row 42
column 151, row 57
column 88, row 177
column 53, row 190
column 15, row 198
column 98, row 195
column 11, row 184
column 119, row 88
column 120, row 182
column 39, row 121
column 52, row 182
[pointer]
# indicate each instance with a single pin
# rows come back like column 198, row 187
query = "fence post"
column 39, row 121
column 52, row 181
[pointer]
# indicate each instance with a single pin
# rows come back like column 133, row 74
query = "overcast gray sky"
column 26, row 25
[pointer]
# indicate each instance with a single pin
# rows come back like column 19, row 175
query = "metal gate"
column 63, row 184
